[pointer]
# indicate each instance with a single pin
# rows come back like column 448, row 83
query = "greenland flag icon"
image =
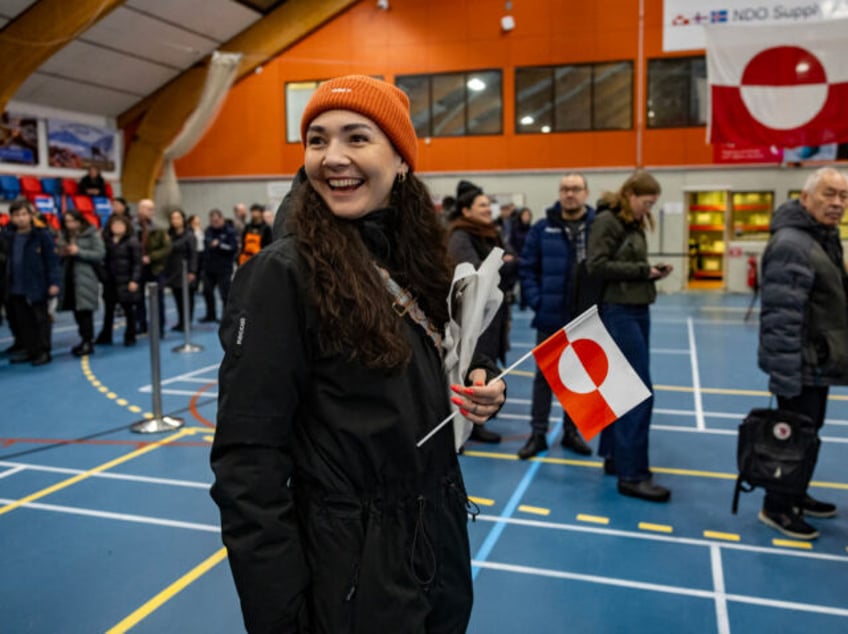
column 588, row 373
column 783, row 85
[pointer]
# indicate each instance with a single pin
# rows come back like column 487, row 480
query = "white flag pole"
column 580, row 318
column 451, row 416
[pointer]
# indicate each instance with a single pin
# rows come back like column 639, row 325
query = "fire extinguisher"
column 753, row 281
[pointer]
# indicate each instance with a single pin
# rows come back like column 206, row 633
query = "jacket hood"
column 792, row 214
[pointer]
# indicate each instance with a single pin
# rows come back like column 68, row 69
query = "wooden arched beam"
column 161, row 116
column 36, row 34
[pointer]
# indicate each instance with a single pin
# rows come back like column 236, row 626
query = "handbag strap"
column 404, row 304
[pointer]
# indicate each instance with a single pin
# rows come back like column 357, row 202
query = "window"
column 297, row 96
column 677, row 92
column 455, row 104
column 575, row 97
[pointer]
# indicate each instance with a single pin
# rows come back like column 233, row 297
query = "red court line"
column 192, row 405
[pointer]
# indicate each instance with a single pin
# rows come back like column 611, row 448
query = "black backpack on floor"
column 776, row 450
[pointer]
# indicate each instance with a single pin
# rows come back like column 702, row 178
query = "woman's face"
column 177, row 221
column 119, row 229
column 641, row 205
column 480, row 211
column 71, row 223
column 350, row 163
column 526, row 217
column 118, row 208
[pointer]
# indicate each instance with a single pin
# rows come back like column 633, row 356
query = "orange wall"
column 418, row 36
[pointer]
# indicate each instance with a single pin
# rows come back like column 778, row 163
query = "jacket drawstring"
column 429, row 554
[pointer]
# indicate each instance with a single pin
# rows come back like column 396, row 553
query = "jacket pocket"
column 831, row 349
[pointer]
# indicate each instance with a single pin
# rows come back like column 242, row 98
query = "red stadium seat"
column 85, row 206
column 69, row 187
column 4, row 219
column 30, row 185
column 110, row 194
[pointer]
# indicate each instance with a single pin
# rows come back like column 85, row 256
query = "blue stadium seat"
column 103, row 208
column 10, row 187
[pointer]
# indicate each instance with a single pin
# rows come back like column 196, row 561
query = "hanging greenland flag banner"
column 778, row 85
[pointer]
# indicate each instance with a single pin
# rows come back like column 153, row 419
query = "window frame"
column 689, row 59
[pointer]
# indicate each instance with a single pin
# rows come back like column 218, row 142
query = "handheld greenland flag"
column 778, row 85
column 589, row 374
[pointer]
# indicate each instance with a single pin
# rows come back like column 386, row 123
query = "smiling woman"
column 332, row 372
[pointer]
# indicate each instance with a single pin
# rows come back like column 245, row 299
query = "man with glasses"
column 804, row 323
column 547, row 267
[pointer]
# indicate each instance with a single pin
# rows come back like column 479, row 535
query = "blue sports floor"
column 104, row 530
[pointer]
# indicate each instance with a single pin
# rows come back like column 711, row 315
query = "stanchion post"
column 159, row 423
column 188, row 346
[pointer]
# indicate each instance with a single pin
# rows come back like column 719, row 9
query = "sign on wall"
column 18, row 139
column 79, row 145
column 683, row 20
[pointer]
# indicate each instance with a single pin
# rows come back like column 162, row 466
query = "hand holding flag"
column 590, row 376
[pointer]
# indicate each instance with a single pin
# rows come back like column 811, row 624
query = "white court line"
column 124, row 517
column 193, row 380
column 12, row 471
column 696, row 377
column 718, row 585
column 113, row 476
column 656, row 587
column 657, row 537
column 188, row 375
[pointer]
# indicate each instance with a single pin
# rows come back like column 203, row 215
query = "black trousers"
column 110, row 300
column 812, row 401
column 177, row 292
column 85, row 324
column 32, row 323
column 540, row 410
column 212, row 279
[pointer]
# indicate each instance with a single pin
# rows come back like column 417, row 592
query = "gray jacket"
column 92, row 251
column 804, row 316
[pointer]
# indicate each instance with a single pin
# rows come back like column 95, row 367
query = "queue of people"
column 74, row 268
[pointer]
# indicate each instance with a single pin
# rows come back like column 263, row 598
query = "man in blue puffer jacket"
column 547, row 268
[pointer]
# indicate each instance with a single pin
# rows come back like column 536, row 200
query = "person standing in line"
column 82, row 251
column 122, row 279
column 183, row 249
column 155, row 248
column 221, row 244
column 618, row 255
column 334, row 519
column 256, row 235
column 804, row 324
column 32, row 277
column 240, row 218
column 547, row 269
column 196, row 228
column 517, row 238
column 471, row 237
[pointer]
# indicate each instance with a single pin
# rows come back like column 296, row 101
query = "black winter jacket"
column 123, row 265
column 183, row 249
column 804, row 314
column 333, row 519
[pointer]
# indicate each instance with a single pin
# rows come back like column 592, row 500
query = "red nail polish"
column 464, row 412
column 456, row 400
column 468, row 390
column 480, row 383
column 456, row 388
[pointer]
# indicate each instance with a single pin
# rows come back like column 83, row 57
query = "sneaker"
column 790, row 523
column 536, row 444
column 82, row 349
column 572, row 440
column 814, row 508
column 42, row 359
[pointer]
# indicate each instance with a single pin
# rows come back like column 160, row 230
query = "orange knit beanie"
column 385, row 104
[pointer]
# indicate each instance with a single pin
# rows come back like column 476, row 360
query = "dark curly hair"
column 355, row 308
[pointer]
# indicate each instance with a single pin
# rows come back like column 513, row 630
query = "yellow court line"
column 657, row 528
column 87, row 474
column 592, row 519
column 481, row 501
column 168, row 593
column 535, row 510
column 791, row 543
column 728, row 537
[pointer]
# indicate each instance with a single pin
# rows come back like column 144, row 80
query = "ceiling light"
column 527, row 120
column 476, row 84
column 546, row 128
